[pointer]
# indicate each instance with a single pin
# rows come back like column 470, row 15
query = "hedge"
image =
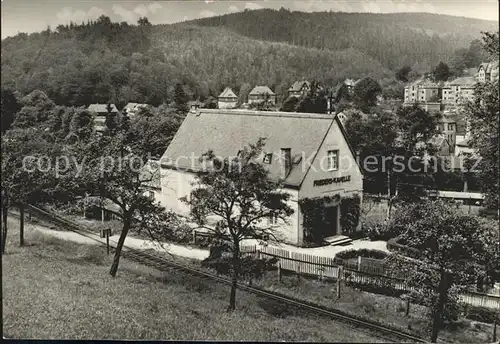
column 341, row 257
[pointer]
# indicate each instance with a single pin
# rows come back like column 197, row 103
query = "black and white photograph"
column 256, row 171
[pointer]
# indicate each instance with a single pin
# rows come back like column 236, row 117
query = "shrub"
column 395, row 246
column 376, row 231
column 349, row 213
column 367, row 253
column 481, row 314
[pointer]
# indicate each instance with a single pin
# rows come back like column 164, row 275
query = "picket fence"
column 365, row 271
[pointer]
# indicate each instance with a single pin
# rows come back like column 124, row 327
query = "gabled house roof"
column 101, row 108
column 483, row 65
column 228, row 93
column 297, row 85
column 226, row 132
column 134, row 106
column 260, row 90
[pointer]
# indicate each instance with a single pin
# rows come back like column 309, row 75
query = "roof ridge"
column 266, row 113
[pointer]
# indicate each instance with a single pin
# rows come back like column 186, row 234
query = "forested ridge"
column 102, row 61
column 394, row 39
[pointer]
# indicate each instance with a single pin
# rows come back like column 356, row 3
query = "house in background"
column 422, row 91
column 309, row 152
column 487, row 72
column 299, row 88
column 458, row 91
column 132, row 109
column 260, row 94
column 227, row 99
column 100, row 112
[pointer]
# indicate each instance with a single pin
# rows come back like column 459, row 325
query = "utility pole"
column 330, row 102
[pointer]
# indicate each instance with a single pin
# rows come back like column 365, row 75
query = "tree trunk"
column 116, row 260
column 21, row 225
column 234, row 277
column 437, row 312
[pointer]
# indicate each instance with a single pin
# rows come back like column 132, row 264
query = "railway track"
column 164, row 264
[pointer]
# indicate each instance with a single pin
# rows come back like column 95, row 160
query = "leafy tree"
column 241, row 195
column 491, row 43
column 37, row 109
column 451, row 250
column 402, row 73
column 365, row 94
column 314, row 101
column 441, row 72
column 82, row 124
column 120, row 179
column 152, row 130
column 482, row 114
column 180, row 99
column 244, row 91
column 290, row 104
column 144, row 21
column 111, row 121
column 10, row 107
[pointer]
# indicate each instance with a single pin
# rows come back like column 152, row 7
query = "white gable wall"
column 178, row 183
column 334, row 140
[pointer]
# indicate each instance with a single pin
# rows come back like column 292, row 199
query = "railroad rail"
column 164, row 264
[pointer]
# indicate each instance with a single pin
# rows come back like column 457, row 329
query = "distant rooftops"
column 297, row 85
column 260, row 90
column 101, row 108
column 228, row 93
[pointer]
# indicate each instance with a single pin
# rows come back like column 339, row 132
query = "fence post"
column 279, row 270
column 258, row 253
column 194, row 236
column 495, row 330
column 359, row 263
column 407, row 312
column 21, row 224
column 339, row 278
column 298, row 270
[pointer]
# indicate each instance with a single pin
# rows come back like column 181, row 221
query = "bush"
column 481, row 314
column 367, row 253
column 376, row 231
column 395, row 246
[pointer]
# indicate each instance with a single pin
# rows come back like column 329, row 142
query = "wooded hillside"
column 102, row 61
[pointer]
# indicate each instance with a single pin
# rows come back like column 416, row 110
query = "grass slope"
column 61, row 290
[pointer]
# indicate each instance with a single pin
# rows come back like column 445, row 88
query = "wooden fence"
column 363, row 271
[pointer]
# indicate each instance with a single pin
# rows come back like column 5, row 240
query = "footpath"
column 200, row 254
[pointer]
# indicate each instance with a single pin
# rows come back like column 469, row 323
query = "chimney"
column 286, row 154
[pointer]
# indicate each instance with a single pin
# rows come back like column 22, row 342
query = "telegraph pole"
column 330, row 102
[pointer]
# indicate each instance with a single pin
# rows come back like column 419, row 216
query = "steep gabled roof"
column 228, row 93
column 228, row 131
column 297, row 85
column 100, row 108
column 260, row 90
column 483, row 65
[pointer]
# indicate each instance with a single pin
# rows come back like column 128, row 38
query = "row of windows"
column 332, row 159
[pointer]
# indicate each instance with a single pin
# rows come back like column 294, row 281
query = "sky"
column 35, row 15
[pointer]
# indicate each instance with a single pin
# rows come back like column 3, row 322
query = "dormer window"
column 268, row 158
